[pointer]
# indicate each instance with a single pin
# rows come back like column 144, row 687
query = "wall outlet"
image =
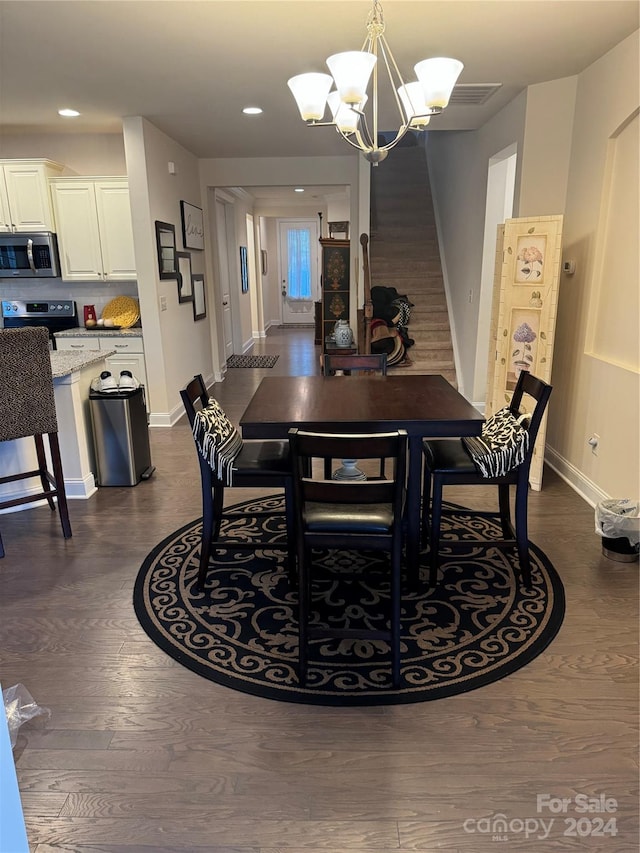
column 163, row 303
column 594, row 443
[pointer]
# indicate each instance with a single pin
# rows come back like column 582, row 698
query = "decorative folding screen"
column 523, row 316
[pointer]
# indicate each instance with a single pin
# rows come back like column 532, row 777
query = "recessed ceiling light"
column 252, row 111
column 68, row 113
column 298, row 190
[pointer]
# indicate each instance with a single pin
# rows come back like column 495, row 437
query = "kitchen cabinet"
column 129, row 353
column 25, row 200
column 95, row 235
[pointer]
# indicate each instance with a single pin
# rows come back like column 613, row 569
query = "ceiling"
column 190, row 66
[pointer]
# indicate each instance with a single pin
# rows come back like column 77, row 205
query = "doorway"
column 298, row 261
column 501, row 180
column 224, row 240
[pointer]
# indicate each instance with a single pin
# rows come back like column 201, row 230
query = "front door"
column 299, row 273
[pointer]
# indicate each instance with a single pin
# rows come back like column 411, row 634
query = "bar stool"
column 27, row 408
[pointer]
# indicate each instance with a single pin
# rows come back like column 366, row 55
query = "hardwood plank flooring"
column 142, row 756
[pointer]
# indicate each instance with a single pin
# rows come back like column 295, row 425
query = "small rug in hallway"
column 476, row 627
column 252, row 360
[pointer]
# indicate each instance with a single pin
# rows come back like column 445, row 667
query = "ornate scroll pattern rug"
column 476, row 627
column 252, row 360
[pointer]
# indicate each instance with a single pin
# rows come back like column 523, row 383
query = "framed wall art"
column 192, row 226
column 244, row 269
column 199, row 298
column 185, row 287
column 166, row 246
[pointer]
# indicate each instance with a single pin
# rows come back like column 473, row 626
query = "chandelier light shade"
column 344, row 118
column 438, row 77
column 310, row 92
column 415, row 105
column 353, row 72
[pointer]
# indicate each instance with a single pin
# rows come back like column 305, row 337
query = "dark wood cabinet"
column 335, row 284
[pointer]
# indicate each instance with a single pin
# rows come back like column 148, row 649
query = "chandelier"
column 351, row 72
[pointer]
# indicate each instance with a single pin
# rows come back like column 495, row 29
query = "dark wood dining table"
column 424, row 406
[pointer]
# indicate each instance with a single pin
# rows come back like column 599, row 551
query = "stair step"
column 432, row 338
column 422, row 251
column 415, row 284
column 429, row 305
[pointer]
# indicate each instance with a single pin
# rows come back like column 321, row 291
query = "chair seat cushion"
column 263, row 457
column 448, row 455
column 349, row 518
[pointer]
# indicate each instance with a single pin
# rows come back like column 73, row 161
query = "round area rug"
column 476, row 627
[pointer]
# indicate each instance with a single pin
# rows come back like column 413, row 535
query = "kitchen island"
column 72, row 374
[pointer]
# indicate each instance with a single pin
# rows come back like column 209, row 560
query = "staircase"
column 404, row 254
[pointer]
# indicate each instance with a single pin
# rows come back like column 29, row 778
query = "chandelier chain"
column 375, row 20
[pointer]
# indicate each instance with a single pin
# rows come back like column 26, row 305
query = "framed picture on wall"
column 166, row 246
column 199, row 299
column 185, row 287
column 244, row 269
column 192, row 226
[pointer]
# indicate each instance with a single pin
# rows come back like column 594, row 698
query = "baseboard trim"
column 585, row 487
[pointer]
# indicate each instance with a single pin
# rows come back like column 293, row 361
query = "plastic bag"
column 20, row 707
column 619, row 518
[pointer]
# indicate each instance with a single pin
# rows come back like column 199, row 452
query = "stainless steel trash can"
column 120, row 437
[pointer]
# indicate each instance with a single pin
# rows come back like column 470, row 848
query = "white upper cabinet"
column 25, row 201
column 95, row 235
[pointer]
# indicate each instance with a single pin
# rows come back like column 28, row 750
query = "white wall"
column 563, row 140
column 592, row 394
column 546, row 149
column 176, row 347
column 458, row 167
column 80, row 153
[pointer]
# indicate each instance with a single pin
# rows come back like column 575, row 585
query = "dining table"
column 423, row 406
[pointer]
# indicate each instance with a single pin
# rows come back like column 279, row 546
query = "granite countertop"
column 100, row 332
column 64, row 362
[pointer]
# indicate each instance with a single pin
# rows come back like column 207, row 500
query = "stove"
column 57, row 315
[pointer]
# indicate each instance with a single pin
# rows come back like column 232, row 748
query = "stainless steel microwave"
column 33, row 255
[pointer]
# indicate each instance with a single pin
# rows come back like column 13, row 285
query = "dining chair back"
column 28, row 409
column 354, row 364
column 248, row 464
column 347, row 363
column 348, row 516
column 448, row 462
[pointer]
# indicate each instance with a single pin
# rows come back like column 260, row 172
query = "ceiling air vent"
column 472, row 94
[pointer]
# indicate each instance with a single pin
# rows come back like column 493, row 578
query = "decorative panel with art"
column 523, row 315
column 335, row 284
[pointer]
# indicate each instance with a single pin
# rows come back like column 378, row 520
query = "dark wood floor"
column 142, row 755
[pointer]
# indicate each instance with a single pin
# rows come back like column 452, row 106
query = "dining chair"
column 372, row 363
column 232, row 462
column 350, row 364
column 347, row 516
column 450, row 462
column 28, row 409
